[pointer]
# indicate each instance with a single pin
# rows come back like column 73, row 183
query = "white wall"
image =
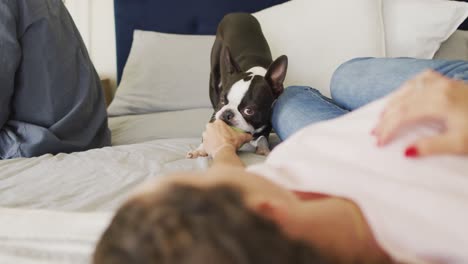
column 95, row 20
column 80, row 10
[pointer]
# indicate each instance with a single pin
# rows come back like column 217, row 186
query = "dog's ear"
column 276, row 74
column 231, row 64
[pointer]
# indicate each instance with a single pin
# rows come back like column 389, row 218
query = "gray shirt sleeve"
column 55, row 98
column 9, row 57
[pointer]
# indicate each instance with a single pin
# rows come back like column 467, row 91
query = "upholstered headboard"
column 199, row 17
column 464, row 26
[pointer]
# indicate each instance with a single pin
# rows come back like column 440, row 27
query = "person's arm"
column 227, row 156
column 221, row 142
column 10, row 54
column 428, row 97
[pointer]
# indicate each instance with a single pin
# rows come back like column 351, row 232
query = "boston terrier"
column 244, row 80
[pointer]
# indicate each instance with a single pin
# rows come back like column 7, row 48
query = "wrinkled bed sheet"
column 146, row 147
column 42, row 236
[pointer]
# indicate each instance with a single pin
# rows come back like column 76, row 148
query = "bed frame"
column 197, row 17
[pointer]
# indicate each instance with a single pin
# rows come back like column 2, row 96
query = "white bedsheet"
column 87, row 181
column 94, row 180
column 41, row 236
column 100, row 179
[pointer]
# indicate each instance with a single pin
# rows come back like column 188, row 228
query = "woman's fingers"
column 393, row 109
column 417, row 100
column 394, row 120
column 428, row 97
column 436, row 145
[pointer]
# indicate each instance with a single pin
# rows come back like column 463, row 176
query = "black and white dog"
column 244, row 79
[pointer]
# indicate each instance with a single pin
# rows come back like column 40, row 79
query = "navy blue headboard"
column 464, row 26
column 199, row 17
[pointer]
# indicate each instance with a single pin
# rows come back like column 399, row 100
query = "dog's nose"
column 227, row 116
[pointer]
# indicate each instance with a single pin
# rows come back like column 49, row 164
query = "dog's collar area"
column 258, row 132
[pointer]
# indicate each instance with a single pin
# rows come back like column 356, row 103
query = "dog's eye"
column 222, row 101
column 249, row 111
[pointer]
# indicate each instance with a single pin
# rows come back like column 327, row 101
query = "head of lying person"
column 224, row 215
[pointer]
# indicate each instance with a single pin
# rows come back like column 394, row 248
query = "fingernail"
column 373, row 132
column 412, row 152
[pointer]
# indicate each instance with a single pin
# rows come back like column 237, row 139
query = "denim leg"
column 362, row 80
column 300, row 106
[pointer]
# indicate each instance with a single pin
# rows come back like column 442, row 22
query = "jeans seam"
column 328, row 102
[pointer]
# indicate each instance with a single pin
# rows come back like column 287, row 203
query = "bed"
column 53, row 208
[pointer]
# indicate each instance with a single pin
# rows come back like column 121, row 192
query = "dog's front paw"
column 263, row 148
column 196, row 154
column 199, row 152
column 262, row 151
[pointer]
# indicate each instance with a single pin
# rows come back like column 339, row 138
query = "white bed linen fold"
column 94, row 180
column 41, row 236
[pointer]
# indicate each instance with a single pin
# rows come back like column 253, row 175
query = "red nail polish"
column 412, row 152
column 373, row 132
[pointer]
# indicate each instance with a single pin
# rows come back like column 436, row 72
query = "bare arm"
column 227, row 155
column 221, row 142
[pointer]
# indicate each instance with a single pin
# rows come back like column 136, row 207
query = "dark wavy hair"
column 190, row 225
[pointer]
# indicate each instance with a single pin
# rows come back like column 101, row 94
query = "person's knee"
column 293, row 91
column 287, row 109
column 351, row 80
column 289, row 95
column 282, row 101
column 348, row 74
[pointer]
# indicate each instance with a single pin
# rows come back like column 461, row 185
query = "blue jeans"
column 354, row 84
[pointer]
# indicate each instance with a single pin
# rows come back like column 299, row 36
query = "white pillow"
column 319, row 35
column 417, row 28
column 164, row 72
